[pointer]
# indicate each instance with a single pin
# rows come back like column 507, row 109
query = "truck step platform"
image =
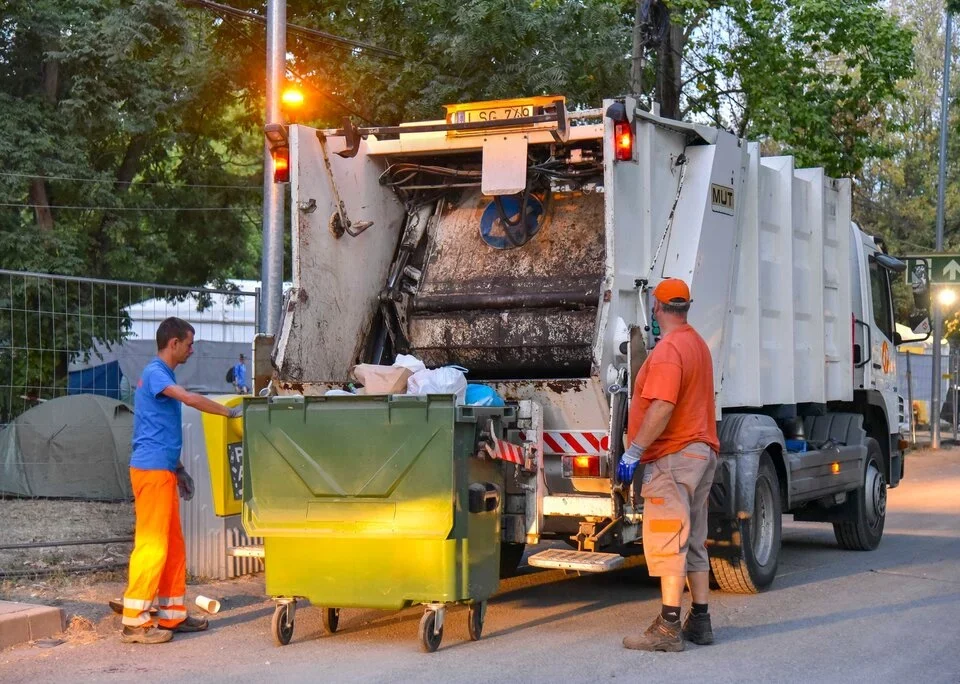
column 582, row 561
column 245, row 551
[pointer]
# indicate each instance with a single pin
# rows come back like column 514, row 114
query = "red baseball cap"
column 672, row 291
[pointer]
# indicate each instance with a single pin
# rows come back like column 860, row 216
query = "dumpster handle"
column 484, row 497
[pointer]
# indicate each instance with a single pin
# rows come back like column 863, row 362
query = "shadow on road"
column 743, row 633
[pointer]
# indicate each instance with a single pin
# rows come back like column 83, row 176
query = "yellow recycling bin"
column 224, row 442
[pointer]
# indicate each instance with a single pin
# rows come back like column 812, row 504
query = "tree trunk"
column 126, row 172
column 39, row 194
column 41, row 204
column 636, row 67
column 670, row 71
column 131, row 161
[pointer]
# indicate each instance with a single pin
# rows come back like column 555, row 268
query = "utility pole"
column 271, row 268
column 937, row 313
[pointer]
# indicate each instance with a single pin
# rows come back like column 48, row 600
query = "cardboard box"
column 382, row 379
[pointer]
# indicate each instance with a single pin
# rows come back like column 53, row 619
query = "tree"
column 808, row 77
column 125, row 153
column 114, row 115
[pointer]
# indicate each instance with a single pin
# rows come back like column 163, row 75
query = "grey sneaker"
column 660, row 636
column 697, row 629
column 145, row 635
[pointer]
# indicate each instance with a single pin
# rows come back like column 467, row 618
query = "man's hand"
column 184, row 484
column 628, row 463
column 236, row 412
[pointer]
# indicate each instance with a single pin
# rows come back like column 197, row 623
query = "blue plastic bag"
column 482, row 395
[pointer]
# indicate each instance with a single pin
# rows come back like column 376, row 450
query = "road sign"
column 934, row 269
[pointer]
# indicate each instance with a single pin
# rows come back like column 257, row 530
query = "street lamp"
column 292, row 97
column 947, row 297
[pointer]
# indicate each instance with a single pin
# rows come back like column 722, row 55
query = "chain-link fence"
column 63, row 336
column 71, row 353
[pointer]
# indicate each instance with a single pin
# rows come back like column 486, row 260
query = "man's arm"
column 655, row 421
column 197, row 401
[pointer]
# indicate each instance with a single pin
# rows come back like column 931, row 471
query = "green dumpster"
column 374, row 502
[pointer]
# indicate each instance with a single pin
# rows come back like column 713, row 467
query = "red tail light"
column 581, row 466
column 623, row 140
column 281, row 164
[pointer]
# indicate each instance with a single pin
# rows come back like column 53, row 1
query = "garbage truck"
column 522, row 241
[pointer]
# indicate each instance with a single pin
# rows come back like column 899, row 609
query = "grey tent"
column 75, row 447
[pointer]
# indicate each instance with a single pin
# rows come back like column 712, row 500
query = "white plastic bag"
column 444, row 380
column 409, row 361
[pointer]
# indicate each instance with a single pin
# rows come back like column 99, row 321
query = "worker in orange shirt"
column 672, row 431
column 158, row 564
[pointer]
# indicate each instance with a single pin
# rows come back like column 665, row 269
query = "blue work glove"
column 236, row 412
column 628, row 463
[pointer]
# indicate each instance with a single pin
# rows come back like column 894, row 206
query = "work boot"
column 697, row 629
column 145, row 635
column 190, row 624
column 660, row 636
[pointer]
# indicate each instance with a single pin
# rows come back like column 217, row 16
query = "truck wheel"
column 510, row 557
column 865, row 511
column 756, row 565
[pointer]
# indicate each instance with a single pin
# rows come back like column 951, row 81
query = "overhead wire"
column 92, row 208
column 109, row 181
column 302, row 31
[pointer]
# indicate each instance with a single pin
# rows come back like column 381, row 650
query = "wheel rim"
column 763, row 522
column 875, row 495
column 284, row 628
column 432, row 635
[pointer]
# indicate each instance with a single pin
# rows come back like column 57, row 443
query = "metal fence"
column 87, row 340
column 63, row 335
column 915, row 384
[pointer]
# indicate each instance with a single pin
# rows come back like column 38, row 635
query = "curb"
column 23, row 622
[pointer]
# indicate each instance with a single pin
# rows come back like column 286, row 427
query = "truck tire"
column 755, row 566
column 510, row 557
column 865, row 511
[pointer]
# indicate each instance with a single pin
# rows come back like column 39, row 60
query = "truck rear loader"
column 522, row 241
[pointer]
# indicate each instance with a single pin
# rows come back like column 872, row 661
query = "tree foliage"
column 809, row 77
column 130, row 131
column 113, row 116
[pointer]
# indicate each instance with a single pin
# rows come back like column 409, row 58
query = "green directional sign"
column 937, row 269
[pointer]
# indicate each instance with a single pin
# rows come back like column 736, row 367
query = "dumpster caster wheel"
column 475, row 615
column 282, row 624
column 331, row 620
column 430, row 634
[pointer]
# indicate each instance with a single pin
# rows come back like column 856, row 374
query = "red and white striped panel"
column 581, row 442
column 505, row 451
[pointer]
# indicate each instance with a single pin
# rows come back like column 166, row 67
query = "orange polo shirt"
column 678, row 370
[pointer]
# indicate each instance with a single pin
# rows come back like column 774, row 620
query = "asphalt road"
column 892, row 615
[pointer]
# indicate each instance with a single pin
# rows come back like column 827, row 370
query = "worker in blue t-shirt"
column 240, row 377
column 158, row 563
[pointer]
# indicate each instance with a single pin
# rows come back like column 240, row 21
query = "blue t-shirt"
column 157, row 435
column 240, row 375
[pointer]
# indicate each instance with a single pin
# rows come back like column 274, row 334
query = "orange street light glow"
column 292, row 97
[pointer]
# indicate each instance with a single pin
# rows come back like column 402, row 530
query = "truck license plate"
column 495, row 114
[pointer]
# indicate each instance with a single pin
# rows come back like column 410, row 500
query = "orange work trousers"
column 158, row 564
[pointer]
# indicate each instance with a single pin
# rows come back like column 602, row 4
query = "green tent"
column 75, row 447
